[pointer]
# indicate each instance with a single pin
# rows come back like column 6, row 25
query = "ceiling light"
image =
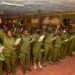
column 12, row 4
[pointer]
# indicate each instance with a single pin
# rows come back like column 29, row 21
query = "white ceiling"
column 32, row 6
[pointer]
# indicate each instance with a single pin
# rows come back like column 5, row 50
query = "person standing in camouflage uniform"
column 9, row 52
column 64, row 37
column 57, row 46
column 2, row 59
column 37, row 55
column 48, row 46
column 25, row 51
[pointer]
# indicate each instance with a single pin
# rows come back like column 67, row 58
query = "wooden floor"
column 66, row 67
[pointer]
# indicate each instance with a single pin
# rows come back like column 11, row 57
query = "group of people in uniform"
column 49, row 44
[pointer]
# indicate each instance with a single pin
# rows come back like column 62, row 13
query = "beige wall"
column 45, row 19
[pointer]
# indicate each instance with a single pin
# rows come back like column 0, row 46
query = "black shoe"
column 54, row 61
column 71, row 55
column 7, row 73
column 29, row 70
column 24, row 71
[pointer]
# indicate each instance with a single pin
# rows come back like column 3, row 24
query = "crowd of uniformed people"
column 49, row 44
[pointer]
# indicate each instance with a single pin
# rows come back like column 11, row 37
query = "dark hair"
column 38, row 31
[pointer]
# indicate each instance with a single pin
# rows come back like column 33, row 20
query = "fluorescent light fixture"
column 12, row 4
